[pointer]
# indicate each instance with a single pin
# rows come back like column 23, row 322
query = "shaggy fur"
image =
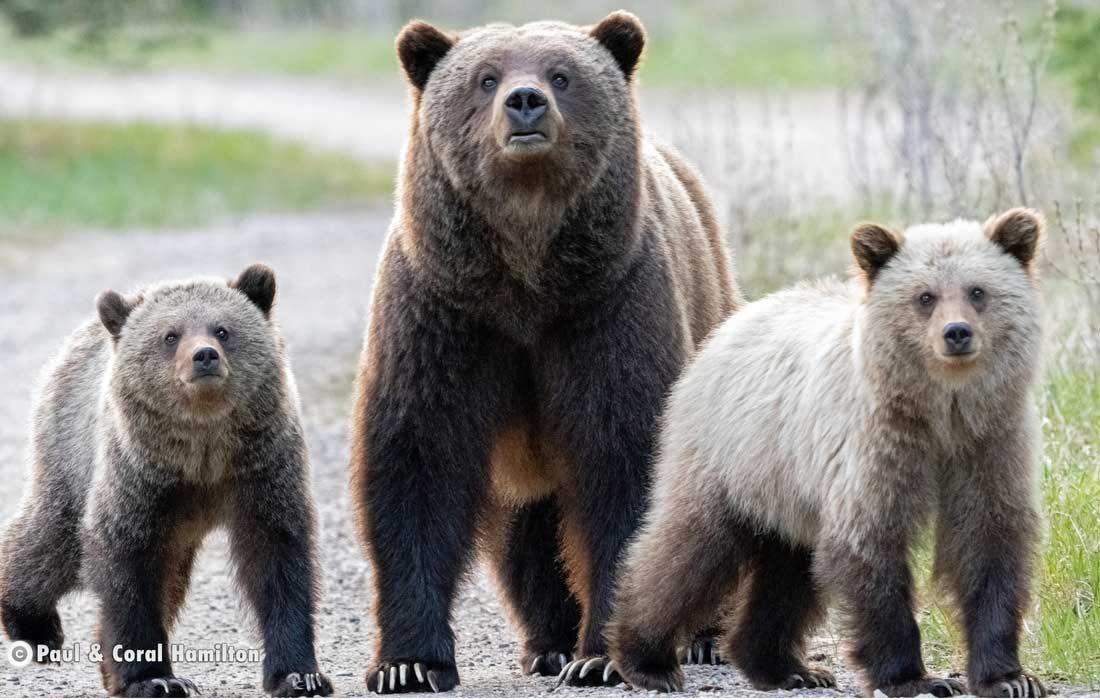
column 538, row 295
column 812, row 437
column 138, row 450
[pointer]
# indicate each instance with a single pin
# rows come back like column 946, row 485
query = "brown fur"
column 537, row 297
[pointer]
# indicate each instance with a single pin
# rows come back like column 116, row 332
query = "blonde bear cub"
column 814, row 435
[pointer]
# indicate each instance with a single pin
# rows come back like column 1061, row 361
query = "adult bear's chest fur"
column 488, row 270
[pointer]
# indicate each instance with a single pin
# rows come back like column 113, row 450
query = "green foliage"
column 1077, row 53
column 56, row 176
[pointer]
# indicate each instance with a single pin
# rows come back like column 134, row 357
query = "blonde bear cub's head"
column 958, row 300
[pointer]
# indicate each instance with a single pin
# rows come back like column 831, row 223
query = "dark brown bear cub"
column 547, row 274
column 172, row 413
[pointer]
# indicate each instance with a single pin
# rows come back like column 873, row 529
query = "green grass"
column 1062, row 633
column 736, row 49
column 58, row 175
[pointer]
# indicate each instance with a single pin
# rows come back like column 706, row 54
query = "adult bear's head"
column 527, row 116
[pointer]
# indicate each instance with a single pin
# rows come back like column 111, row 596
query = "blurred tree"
column 1077, row 53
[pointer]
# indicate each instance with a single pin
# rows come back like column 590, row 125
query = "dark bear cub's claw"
column 412, row 677
column 303, row 685
column 549, row 663
column 167, row 687
column 590, row 671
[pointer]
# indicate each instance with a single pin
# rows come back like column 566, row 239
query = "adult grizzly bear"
column 547, row 273
column 814, row 435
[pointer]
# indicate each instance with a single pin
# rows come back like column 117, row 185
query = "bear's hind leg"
column 781, row 605
column 39, row 563
column 684, row 565
column 532, row 577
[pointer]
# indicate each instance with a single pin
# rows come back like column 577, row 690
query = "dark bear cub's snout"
column 526, row 106
column 957, row 338
column 205, row 361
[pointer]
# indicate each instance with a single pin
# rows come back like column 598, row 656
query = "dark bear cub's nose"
column 525, row 106
column 957, row 336
column 205, row 359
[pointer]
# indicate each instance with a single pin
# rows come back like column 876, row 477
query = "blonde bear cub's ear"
column 872, row 247
column 1019, row 232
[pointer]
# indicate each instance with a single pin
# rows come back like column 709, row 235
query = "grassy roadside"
column 61, row 175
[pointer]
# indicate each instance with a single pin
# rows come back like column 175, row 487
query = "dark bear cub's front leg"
column 272, row 534
column 129, row 561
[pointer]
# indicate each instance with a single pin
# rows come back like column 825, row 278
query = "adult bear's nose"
column 525, row 106
column 205, row 359
column 957, row 336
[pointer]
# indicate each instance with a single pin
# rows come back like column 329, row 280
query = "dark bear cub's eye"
column 489, row 82
column 927, row 299
column 559, row 81
column 222, row 334
column 171, row 339
column 977, row 294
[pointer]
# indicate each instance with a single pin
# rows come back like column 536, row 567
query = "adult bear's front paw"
column 1013, row 685
column 702, row 650
column 591, row 671
column 303, row 685
column 547, row 663
column 165, row 687
column 412, row 677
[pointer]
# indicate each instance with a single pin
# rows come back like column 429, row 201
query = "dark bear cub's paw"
column 302, row 685
column 546, row 663
column 939, row 687
column 32, row 628
column 702, row 650
column 1013, row 685
column 412, row 677
column 166, row 687
column 591, row 671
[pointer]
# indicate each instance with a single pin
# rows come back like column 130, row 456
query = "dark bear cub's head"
column 194, row 348
column 536, row 107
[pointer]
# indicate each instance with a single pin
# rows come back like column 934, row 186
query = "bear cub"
column 172, row 413
column 816, row 433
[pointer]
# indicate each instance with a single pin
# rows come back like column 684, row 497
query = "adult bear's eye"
column 222, row 334
column 559, row 81
column 977, row 294
column 927, row 299
column 489, row 83
column 171, row 339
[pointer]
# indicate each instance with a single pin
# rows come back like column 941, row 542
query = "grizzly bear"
column 813, row 436
column 172, row 413
column 547, row 273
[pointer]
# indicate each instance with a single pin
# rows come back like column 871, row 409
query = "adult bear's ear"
column 113, row 310
column 1019, row 232
column 623, row 35
column 257, row 282
column 420, row 46
column 872, row 247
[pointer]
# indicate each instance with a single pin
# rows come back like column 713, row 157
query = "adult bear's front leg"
column 432, row 385
column 604, row 380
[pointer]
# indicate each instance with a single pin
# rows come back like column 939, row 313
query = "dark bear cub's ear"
column 420, row 46
column 1019, row 232
column 872, row 247
column 623, row 35
column 113, row 311
column 257, row 282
